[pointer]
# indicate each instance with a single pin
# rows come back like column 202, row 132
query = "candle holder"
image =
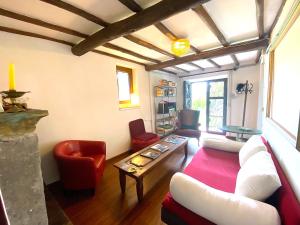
column 13, row 106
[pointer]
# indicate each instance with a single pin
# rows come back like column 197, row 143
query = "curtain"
column 187, row 95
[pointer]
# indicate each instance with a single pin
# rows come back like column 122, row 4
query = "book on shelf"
column 160, row 147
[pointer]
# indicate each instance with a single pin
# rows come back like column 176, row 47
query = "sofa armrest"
column 220, row 207
column 222, row 143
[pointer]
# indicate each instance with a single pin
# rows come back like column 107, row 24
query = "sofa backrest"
column 284, row 199
column 136, row 128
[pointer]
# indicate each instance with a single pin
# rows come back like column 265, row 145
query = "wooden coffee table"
column 142, row 171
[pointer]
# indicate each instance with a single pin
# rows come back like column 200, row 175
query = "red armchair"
column 80, row 163
column 139, row 137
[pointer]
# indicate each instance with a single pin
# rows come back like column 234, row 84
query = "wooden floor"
column 108, row 206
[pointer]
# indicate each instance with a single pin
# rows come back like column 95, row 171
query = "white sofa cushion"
column 258, row 178
column 252, row 146
column 220, row 207
column 222, row 143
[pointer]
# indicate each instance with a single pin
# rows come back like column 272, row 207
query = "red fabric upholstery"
column 139, row 137
column 215, row 168
column 284, row 199
column 219, row 169
column 80, row 163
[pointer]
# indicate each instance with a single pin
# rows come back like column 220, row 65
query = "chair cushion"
column 189, row 119
column 188, row 133
column 146, row 136
column 258, row 178
column 252, row 146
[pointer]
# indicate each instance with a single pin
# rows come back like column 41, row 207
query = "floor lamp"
column 247, row 89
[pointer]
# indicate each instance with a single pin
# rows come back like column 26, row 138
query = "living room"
column 90, row 68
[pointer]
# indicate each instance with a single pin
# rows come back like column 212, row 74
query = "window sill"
column 128, row 106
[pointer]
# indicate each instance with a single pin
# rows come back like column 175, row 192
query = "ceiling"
column 236, row 20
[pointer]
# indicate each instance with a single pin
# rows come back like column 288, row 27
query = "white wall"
column 79, row 92
column 251, row 74
column 235, row 102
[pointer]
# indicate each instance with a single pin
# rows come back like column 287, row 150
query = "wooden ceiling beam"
column 148, row 45
column 231, row 49
column 276, row 17
column 68, row 7
column 203, row 14
column 34, row 35
column 147, row 17
column 258, row 56
column 132, row 5
column 180, row 69
column 129, row 52
column 214, row 63
column 41, row 23
column 99, row 21
column 44, row 24
column 168, row 71
column 260, row 17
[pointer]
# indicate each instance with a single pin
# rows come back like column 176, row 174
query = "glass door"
column 216, row 107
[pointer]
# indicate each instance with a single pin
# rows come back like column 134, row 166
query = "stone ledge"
column 20, row 123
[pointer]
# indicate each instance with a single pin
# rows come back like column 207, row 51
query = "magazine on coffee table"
column 160, row 147
column 174, row 139
column 151, row 154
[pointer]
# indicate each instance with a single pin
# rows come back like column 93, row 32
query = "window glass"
column 124, row 86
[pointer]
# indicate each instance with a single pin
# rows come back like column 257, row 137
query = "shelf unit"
column 165, row 109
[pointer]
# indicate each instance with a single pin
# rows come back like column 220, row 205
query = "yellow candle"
column 11, row 76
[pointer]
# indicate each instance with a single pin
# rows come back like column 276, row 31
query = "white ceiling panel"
column 173, row 69
column 203, row 63
column 271, row 9
column 247, row 56
column 114, row 52
column 152, row 35
column 189, row 25
column 223, row 60
column 51, row 14
column 235, row 18
column 19, row 25
column 124, row 43
column 109, row 10
column 187, row 67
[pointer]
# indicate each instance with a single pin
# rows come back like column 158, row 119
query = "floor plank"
column 109, row 207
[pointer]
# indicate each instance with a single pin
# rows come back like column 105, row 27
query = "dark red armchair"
column 80, row 163
column 139, row 137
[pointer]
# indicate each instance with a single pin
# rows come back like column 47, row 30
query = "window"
column 284, row 78
column 125, row 84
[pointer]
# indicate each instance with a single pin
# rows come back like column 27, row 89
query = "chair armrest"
column 220, row 207
column 92, row 147
column 222, row 143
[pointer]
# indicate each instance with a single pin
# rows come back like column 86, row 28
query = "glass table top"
column 240, row 130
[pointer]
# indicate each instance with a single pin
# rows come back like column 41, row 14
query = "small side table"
column 240, row 131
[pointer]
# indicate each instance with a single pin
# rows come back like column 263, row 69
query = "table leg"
column 122, row 178
column 186, row 151
column 139, row 189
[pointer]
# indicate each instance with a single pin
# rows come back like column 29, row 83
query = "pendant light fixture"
column 180, row 46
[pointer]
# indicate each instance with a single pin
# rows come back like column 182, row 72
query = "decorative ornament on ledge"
column 16, row 118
